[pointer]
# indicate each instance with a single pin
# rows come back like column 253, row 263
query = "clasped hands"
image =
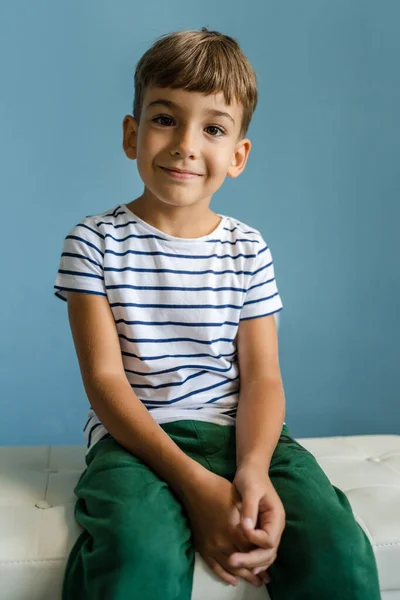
column 237, row 526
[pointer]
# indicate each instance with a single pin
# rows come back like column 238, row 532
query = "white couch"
column 37, row 526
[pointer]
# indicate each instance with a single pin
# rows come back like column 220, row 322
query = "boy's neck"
column 183, row 222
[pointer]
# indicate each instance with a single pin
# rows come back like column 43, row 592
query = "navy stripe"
column 230, row 413
column 181, row 272
column 183, row 288
column 150, row 373
column 194, row 257
column 114, row 213
column 124, row 353
column 166, row 385
column 75, row 255
column 116, row 226
column 260, row 284
column 90, row 229
column 198, row 391
column 219, row 398
column 262, row 268
column 185, row 306
column 75, row 237
column 264, row 315
column 59, row 296
column 66, row 289
column 133, row 235
column 168, row 340
column 157, row 323
column 262, row 250
column 241, row 230
column 80, row 274
column 260, row 299
column 87, row 422
column 232, row 243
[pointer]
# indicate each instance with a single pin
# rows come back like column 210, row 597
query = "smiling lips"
column 180, row 174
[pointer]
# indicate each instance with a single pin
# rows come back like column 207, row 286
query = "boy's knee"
column 339, row 547
column 157, row 545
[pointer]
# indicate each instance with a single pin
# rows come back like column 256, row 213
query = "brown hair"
column 198, row 61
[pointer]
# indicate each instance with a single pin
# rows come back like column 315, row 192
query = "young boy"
column 171, row 308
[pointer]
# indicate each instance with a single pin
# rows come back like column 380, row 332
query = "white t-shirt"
column 177, row 303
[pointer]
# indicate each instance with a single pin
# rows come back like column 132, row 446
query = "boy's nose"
column 185, row 144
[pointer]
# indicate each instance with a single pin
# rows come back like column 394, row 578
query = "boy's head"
column 183, row 84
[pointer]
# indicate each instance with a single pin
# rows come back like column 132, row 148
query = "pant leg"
column 136, row 541
column 324, row 554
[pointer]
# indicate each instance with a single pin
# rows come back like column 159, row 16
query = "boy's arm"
column 261, row 408
column 113, row 399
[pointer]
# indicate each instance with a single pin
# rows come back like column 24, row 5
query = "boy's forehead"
column 191, row 101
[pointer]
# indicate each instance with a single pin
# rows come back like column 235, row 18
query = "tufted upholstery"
column 37, row 526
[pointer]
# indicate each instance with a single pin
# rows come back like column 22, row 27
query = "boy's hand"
column 262, row 518
column 213, row 509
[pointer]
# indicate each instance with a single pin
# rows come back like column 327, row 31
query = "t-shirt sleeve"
column 262, row 297
column 81, row 262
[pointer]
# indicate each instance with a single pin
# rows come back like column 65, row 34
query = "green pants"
column 136, row 543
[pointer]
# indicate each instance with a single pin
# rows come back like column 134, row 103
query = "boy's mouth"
column 177, row 174
column 180, row 170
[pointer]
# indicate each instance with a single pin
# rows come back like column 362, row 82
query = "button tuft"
column 43, row 504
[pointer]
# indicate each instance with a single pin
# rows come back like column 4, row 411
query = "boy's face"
column 180, row 130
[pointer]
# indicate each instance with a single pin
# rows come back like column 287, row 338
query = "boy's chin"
column 182, row 201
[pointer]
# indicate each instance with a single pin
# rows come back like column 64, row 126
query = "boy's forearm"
column 259, row 421
column 130, row 423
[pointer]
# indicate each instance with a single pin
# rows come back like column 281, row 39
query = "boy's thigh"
column 317, row 512
column 122, row 502
column 300, row 481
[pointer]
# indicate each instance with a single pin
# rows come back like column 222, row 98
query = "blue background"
column 322, row 184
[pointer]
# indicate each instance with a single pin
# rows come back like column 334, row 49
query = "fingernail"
column 248, row 523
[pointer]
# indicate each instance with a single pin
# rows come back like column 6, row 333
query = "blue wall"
column 322, row 184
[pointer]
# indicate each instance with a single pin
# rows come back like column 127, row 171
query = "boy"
column 168, row 302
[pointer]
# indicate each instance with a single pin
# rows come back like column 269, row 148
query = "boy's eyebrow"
column 209, row 111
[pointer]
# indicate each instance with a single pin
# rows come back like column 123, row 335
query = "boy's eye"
column 218, row 129
column 162, row 117
column 212, row 127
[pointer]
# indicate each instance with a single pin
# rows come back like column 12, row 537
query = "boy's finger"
column 221, row 572
column 243, row 543
column 254, row 558
column 266, row 577
column 258, row 570
column 259, row 537
column 263, row 573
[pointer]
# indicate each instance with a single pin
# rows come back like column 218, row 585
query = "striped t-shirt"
column 177, row 303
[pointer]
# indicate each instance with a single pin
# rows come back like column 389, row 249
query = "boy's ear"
column 239, row 158
column 129, row 139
